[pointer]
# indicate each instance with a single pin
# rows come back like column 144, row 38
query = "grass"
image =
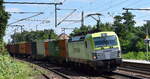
column 11, row 69
column 136, row 55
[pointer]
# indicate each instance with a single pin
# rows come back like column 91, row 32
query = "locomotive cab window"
column 105, row 41
column 111, row 40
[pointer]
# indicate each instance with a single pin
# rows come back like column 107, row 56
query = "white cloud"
column 13, row 9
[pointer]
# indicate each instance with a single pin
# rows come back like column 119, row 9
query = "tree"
column 34, row 35
column 131, row 37
column 119, row 28
column 3, row 23
column 83, row 30
column 128, row 20
column 3, row 20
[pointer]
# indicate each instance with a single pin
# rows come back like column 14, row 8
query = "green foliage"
column 82, row 30
column 136, row 55
column 34, row 35
column 85, row 29
column 3, row 20
column 11, row 69
column 131, row 37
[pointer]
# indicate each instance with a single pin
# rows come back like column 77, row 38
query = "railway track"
column 56, row 72
column 67, row 73
column 129, row 75
column 70, row 74
column 137, row 69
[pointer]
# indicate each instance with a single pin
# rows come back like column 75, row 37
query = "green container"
column 33, row 47
column 53, row 48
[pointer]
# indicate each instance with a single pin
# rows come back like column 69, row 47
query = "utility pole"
column 82, row 18
column 15, row 34
column 21, row 28
column 147, row 40
column 55, row 15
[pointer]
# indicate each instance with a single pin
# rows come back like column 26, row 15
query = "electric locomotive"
column 101, row 50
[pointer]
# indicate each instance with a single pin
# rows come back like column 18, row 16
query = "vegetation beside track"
column 136, row 55
column 12, row 69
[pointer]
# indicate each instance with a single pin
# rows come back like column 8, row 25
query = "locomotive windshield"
column 105, row 41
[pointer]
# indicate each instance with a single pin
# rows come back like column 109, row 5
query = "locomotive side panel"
column 77, row 52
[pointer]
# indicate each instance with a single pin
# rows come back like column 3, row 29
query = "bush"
column 10, row 69
column 136, row 55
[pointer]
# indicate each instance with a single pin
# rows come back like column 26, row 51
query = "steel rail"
column 125, row 75
column 56, row 72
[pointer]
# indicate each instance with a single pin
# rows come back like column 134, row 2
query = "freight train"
column 100, row 51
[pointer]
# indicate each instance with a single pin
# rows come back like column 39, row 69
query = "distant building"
column 63, row 36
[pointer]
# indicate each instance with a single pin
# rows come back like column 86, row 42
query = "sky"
column 108, row 9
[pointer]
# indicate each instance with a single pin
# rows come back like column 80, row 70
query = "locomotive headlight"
column 94, row 55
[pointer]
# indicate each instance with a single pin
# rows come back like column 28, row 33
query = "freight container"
column 16, row 48
column 40, row 48
column 22, row 48
column 62, row 48
column 13, row 48
column 28, row 49
column 53, row 48
column 47, row 53
column 33, row 48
